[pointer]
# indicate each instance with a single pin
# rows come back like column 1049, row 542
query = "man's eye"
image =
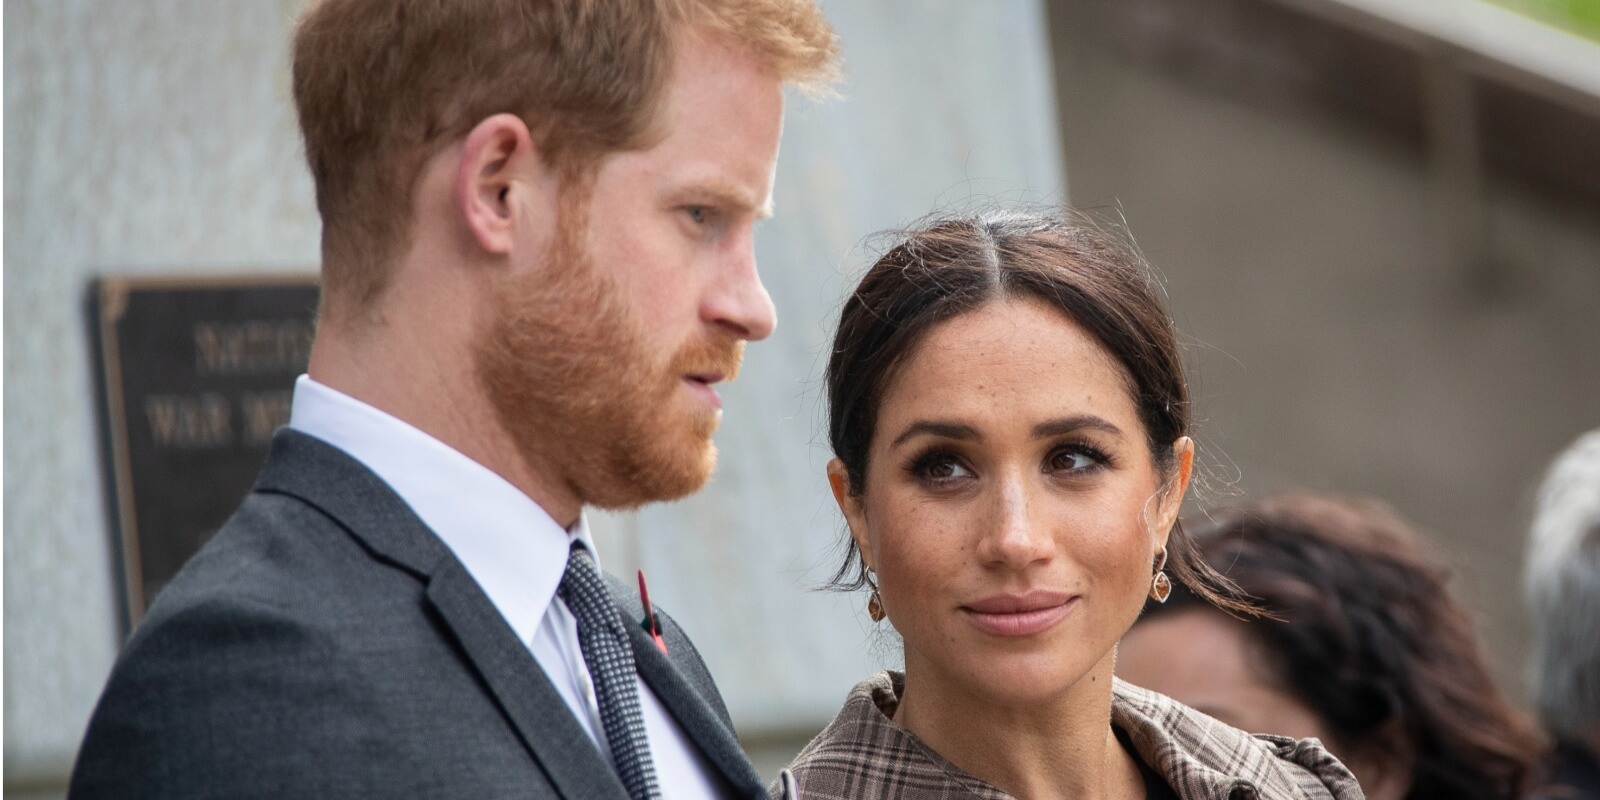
column 698, row 214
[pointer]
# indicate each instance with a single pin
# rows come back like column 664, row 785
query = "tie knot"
column 584, row 591
column 581, row 560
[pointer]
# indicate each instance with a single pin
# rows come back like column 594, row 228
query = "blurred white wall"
column 139, row 137
column 158, row 137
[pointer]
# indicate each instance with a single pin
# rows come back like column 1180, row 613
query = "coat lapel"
column 345, row 490
column 694, row 715
column 524, row 692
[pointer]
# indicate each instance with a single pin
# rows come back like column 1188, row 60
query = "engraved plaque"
column 195, row 375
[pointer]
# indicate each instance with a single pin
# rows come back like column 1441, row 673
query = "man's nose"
column 737, row 301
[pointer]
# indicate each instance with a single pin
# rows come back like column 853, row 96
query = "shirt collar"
column 509, row 544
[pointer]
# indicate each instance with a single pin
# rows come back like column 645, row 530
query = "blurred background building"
column 1380, row 224
column 1379, row 221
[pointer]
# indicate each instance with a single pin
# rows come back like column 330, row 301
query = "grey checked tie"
column 603, row 636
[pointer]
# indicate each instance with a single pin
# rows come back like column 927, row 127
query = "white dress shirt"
column 514, row 550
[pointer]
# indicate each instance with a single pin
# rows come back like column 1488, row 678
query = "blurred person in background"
column 1368, row 651
column 1010, row 422
column 1563, row 592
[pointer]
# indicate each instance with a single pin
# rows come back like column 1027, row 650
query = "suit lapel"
column 341, row 487
column 694, row 715
column 524, row 692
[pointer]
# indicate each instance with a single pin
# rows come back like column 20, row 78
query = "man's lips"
column 1019, row 614
column 701, row 384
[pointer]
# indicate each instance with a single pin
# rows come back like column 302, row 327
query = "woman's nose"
column 1012, row 536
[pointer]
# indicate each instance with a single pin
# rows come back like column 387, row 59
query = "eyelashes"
column 939, row 465
column 1078, row 457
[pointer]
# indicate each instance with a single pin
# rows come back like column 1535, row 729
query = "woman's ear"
column 850, row 506
column 1175, row 487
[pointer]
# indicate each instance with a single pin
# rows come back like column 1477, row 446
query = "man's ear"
column 498, row 166
column 1175, row 488
column 850, row 506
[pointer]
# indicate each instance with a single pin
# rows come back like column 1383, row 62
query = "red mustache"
column 715, row 357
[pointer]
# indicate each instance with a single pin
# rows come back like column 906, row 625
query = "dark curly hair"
column 1366, row 633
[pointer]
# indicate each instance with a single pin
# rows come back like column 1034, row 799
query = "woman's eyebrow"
column 1057, row 427
column 949, row 430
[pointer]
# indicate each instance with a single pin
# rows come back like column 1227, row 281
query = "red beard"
column 569, row 373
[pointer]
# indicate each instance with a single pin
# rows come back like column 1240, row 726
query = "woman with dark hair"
column 1010, row 424
column 1365, row 650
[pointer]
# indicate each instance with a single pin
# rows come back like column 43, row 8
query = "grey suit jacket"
column 327, row 644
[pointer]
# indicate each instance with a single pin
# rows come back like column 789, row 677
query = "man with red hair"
column 537, row 264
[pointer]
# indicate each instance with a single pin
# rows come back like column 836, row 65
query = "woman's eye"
column 1073, row 460
column 943, row 468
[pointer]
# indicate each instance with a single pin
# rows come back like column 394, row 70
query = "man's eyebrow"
column 722, row 193
column 949, row 430
column 1057, row 427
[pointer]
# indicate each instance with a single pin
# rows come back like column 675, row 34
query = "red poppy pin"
column 649, row 622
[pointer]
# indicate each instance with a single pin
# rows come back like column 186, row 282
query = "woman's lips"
column 1019, row 615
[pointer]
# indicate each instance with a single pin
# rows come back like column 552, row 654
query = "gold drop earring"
column 875, row 602
column 1161, row 585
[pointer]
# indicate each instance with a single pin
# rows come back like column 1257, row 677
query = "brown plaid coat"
column 862, row 754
